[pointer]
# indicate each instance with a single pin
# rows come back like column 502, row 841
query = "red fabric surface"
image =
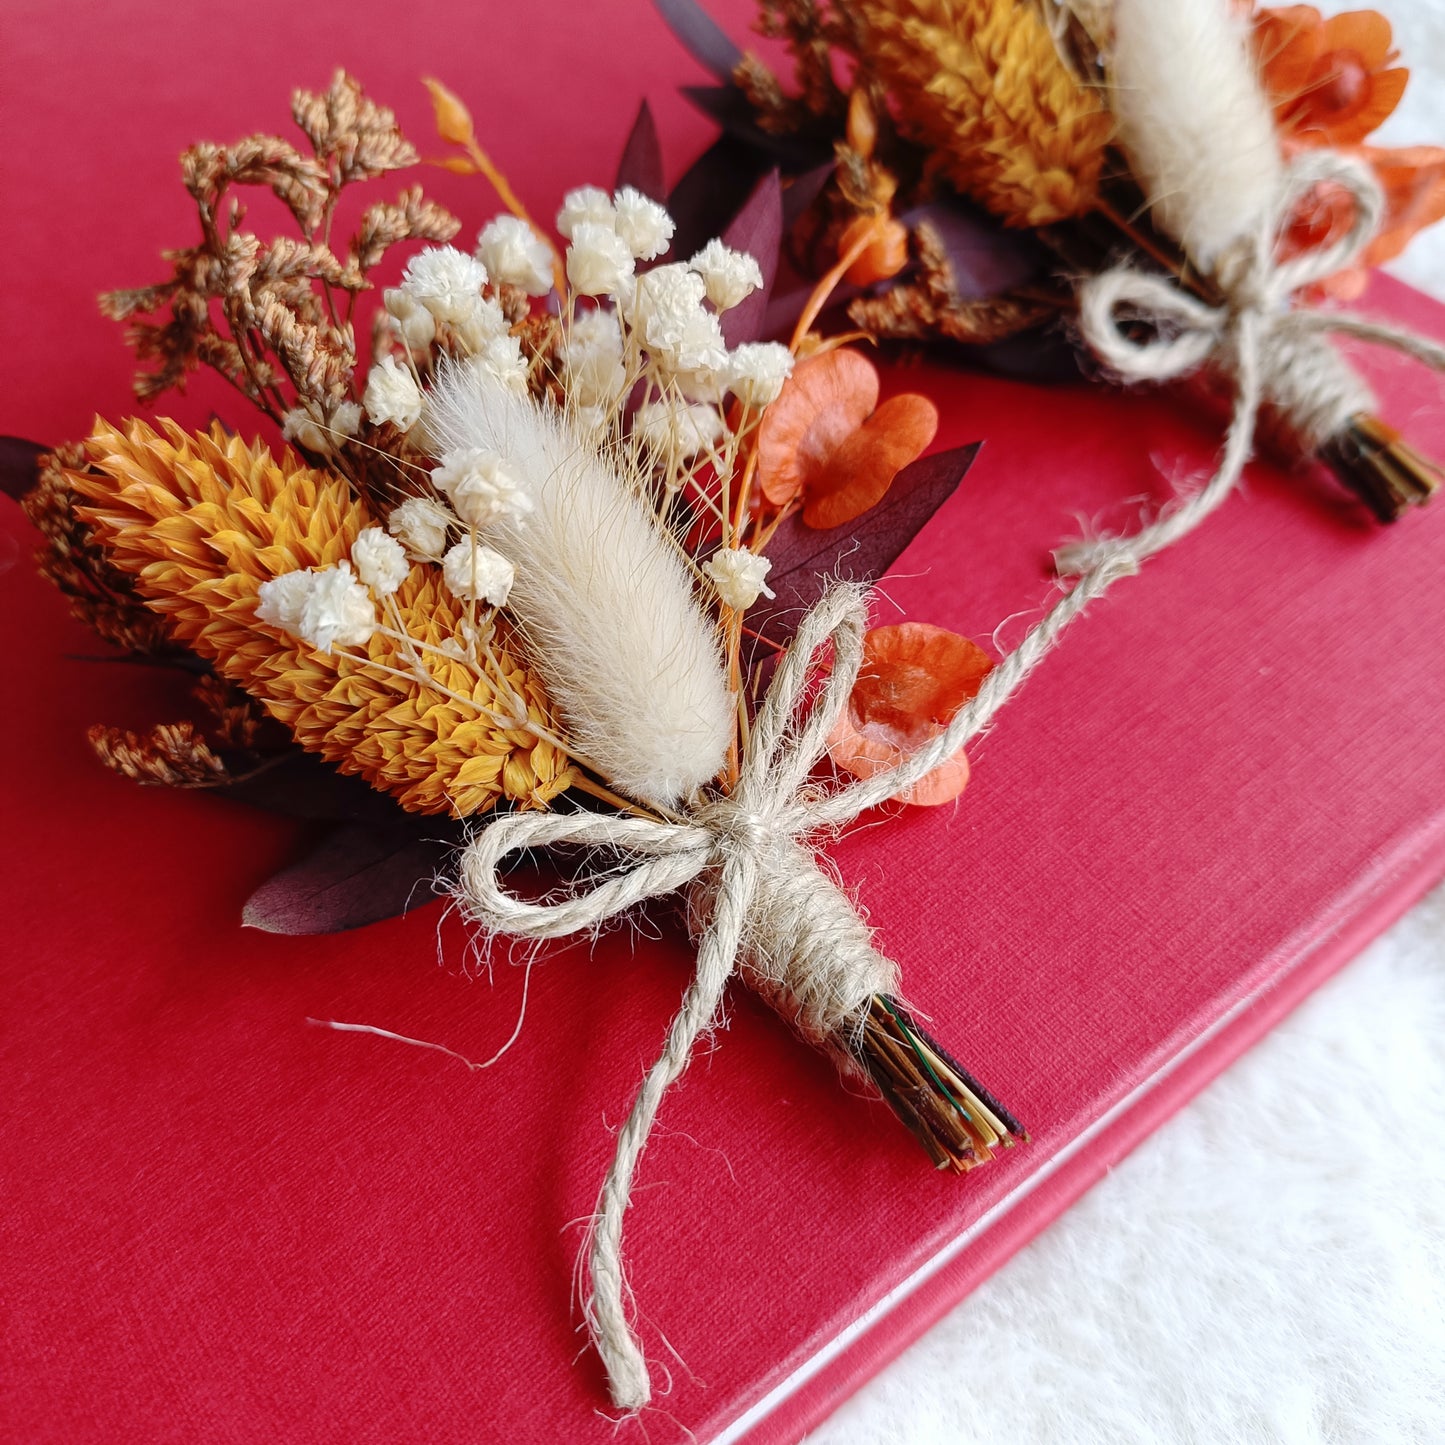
column 223, row 1224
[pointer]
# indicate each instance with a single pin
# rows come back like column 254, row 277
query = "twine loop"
column 758, row 900
column 1257, row 289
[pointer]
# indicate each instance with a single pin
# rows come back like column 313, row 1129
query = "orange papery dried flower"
column 1334, row 80
column 824, row 441
column 914, row 678
column 1413, row 180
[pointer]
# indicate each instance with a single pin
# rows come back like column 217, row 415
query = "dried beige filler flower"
column 201, row 521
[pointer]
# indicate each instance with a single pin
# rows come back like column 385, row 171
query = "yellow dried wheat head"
column 981, row 84
column 201, row 521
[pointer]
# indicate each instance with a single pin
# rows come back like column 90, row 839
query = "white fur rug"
column 1270, row 1266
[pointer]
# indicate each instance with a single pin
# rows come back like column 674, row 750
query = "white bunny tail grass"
column 603, row 598
column 1194, row 120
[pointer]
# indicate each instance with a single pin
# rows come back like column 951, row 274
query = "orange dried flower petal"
column 827, row 398
column 863, row 467
column 1332, row 81
column 913, row 680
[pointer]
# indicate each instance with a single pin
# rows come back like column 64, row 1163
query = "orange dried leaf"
column 913, row 680
column 825, row 401
column 862, row 469
column 453, row 119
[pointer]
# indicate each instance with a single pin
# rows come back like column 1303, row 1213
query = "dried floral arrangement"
column 1141, row 178
column 580, row 559
column 576, row 553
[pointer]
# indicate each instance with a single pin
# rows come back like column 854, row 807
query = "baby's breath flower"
column 740, row 576
column 675, row 430
column 338, row 610
column 410, row 320
column 684, row 340
column 501, row 357
column 664, row 300
column 596, row 329
column 598, row 260
column 729, row 276
column 480, row 322
column 446, row 281
column 478, row 574
column 515, row 255
column 392, row 395
column 280, row 600
column 592, row 369
column 586, row 204
column 380, row 561
column 322, row 608
column 757, row 371
column 420, row 525
column 481, row 487
column 642, row 223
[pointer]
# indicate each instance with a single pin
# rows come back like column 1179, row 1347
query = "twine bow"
column 759, row 899
column 764, row 894
column 1276, row 353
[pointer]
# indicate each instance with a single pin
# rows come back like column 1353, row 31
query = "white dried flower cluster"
column 593, row 374
column 481, row 488
column 392, row 395
column 481, row 322
column 411, row 322
column 446, row 281
column 740, row 576
column 599, row 262
column 683, row 338
column 324, row 609
column 501, row 357
column 729, row 276
column 420, row 524
column 757, row 371
column 380, row 561
column 678, row 430
column 585, row 204
column 476, row 573
column 309, row 426
column 643, row 225
column 515, row 255
column 609, row 235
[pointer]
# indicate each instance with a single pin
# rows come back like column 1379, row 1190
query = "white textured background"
column 1270, row 1266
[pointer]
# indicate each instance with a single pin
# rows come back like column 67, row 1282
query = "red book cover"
column 221, row 1222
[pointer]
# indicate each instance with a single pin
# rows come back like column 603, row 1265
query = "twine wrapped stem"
column 759, row 902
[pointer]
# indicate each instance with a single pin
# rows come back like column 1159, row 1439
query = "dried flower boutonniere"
column 1173, row 183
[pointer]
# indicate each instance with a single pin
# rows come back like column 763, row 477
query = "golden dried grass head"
column 981, row 85
column 200, row 521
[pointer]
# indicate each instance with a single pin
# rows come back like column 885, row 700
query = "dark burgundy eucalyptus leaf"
column 1044, row 355
column 19, row 468
column 758, row 230
column 987, row 258
column 805, row 560
column 701, row 36
column 803, row 190
column 731, row 109
column 357, row 875
column 641, row 163
column 301, row 785
column 712, row 191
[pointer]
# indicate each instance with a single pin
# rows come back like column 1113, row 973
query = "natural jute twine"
column 760, row 902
